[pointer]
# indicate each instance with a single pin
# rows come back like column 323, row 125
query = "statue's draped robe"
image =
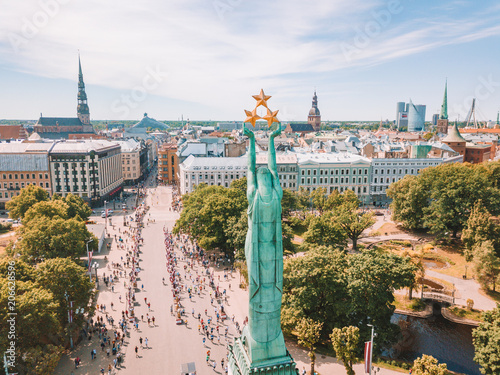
column 264, row 254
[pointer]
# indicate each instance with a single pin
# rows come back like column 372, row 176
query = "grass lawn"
column 403, row 303
column 467, row 314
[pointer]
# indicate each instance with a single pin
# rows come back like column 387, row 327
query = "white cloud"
column 210, row 48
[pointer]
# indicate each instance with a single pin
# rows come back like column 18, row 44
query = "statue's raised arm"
column 271, row 160
column 251, row 178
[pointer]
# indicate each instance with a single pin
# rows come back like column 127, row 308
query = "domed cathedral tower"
column 83, row 108
column 314, row 117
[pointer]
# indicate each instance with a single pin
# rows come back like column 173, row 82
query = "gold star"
column 270, row 117
column 252, row 116
column 262, row 98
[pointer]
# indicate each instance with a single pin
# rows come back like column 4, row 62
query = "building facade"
column 335, row 171
column 89, row 169
column 23, row 164
column 131, row 163
column 168, row 164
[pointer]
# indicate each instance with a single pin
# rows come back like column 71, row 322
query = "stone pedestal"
column 240, row 364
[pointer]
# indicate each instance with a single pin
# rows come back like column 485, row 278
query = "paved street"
column 169, row 345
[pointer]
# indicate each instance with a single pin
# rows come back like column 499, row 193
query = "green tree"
column 67, row 281
column 46, row 210
column 325, row 231
column 57, row 237
column 77, row 207
column 455, row 188
column 315, row 287
column 303, row 198
column 24, row 272
column 480, row 227
column 207, row 212
column 308, row 333
column 428, row 365
column 373, row 276
column 486, row 264
column 353, row 222
column 345, row 343
column 21, row 203
column 36, row 319
column 318, row 198
column 334, row 200
column 236, row 233
column 289, row 203
column 486, row 342
column 42, row 360
column 409, row 198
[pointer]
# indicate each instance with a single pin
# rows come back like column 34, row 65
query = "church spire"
column 444, row 106
column 498, row 118
column 82, row 108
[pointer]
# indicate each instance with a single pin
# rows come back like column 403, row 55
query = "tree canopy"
column 341, row 289
column 21, row 203
column 486, row 340
column 442, row 198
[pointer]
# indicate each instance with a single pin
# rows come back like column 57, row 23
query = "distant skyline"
column 204, row 59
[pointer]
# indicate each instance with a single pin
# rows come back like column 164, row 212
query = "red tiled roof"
column 12, row 132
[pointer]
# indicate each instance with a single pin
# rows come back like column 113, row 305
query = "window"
column 353, row 171
column 10, row 177
column 302, row 181
column 314, row 172
column 33, row 177
column 308, row 172
column 15, row 176
column 302, row 172
column 4, row 176
column 314, row 180
column 22, row 176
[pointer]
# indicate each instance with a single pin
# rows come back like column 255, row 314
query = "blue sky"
column 203, row 59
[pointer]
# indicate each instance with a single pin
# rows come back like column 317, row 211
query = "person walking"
column 146, row 342
column 136, row 352
column 140, row 341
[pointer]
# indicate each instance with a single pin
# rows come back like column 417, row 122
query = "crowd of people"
column 191, row 277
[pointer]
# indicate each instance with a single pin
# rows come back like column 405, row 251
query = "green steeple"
column 444, row 106
column 498, row 118
column 83, row 108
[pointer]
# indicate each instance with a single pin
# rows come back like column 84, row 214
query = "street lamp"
column 88, row 257
column 371, row 350
column 105, row 218
column 70, row 305
column 96, row 266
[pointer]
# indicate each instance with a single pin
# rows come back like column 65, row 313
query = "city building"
column 168, row 164
column 386, row 171
column 10, row 132
column 23, row 164
column 416, row 117
column 442, row 122
column 211, row 171
column 62, row 127
column 401, row 116
column 131, row 161
column 89, row 169
column 455, row 140
column 314, row 118
column 299, row 128
column 335, row 171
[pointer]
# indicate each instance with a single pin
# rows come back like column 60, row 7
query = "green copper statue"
column 264, row 254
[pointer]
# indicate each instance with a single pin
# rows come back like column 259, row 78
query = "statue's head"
column 264, row 176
